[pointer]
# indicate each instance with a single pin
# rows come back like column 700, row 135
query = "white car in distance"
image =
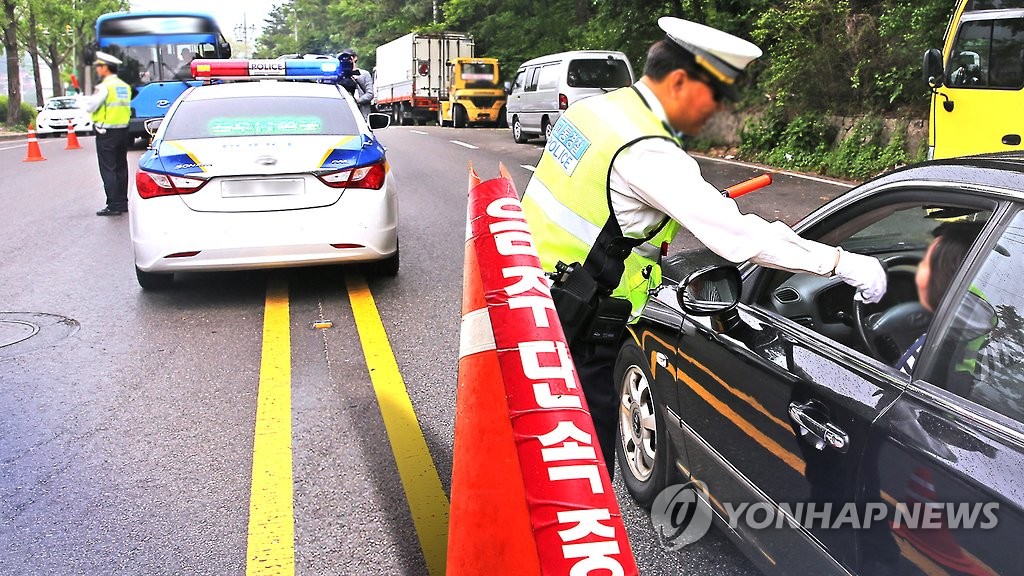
column 55, row 115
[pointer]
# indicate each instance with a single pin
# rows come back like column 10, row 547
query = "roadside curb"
column 9, row 137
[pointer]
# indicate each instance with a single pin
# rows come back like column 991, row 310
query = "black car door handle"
column 817, row 431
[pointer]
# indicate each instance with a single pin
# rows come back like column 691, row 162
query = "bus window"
column 156, row 50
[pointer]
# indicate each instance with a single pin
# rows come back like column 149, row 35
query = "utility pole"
column 244, row 30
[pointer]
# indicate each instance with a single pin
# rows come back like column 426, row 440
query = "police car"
column 263, row 174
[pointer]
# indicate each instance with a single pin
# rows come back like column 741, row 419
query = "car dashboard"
column 825, row 305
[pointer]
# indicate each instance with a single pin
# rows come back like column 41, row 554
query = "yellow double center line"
column 271, row 546
column 271, row 542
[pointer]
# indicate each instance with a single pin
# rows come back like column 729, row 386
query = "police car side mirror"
column 378, row 121
column 710, row 291
column 932, row 68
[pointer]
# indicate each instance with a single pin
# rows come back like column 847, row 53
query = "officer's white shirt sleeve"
column 655, row 177
column 93, row 102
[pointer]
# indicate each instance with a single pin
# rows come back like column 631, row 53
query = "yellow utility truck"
column 473, row 93
column 977, row 80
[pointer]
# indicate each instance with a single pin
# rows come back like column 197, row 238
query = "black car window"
column 896, row 227
column 980, row 355
column 260, row 116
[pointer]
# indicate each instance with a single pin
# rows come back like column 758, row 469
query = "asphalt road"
column 127, row 418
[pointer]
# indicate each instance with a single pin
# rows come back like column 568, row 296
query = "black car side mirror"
column 710, row 291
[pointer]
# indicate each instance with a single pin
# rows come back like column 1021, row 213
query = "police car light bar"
column 324, row 69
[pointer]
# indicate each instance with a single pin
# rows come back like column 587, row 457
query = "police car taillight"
column 367, row 177
column 152, row 185
column 326, row 69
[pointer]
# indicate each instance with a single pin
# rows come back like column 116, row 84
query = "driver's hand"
column 865, row 273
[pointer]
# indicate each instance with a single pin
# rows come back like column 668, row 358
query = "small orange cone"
column 72, row 138
column 34, row 155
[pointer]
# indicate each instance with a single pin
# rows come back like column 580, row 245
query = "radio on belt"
column 325, row 69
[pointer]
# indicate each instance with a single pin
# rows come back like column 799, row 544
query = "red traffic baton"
column 755, row 183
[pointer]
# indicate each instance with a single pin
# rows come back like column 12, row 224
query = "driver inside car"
column 935, row 273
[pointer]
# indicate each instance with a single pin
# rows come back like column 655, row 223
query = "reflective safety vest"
column 116, row 110
column 568, row 200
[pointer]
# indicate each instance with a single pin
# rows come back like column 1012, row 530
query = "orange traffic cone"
column 474, row 180
column 517, row 508
column 72, row 138
column 485, row 471
column 497, row 542
column 34, row 155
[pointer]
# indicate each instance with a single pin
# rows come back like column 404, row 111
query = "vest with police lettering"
column 116, row 110
column 568, row 202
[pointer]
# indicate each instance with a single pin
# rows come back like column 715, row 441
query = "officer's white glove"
column 865, row 273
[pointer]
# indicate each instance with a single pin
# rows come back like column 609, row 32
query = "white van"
column 545, row 86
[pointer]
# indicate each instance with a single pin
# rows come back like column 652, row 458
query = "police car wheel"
column 517, row 131
column 387, row 267
column 641, row 447
column 153, row 280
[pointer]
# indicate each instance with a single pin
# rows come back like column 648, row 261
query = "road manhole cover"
column 21, row 332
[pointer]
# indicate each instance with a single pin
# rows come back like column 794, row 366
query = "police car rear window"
column 260, row 116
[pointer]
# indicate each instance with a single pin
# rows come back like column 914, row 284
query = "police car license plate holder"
column 262, row 188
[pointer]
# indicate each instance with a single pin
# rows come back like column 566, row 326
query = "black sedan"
column 776, row 397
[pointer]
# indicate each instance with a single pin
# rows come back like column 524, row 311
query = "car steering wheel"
column 901, row 324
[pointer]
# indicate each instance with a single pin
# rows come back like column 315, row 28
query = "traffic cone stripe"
column 476, row 334
column 34, row 155
column 72, row 138
column 927, row 489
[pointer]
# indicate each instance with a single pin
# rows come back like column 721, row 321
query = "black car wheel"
column 517, row 131
column 641, row 448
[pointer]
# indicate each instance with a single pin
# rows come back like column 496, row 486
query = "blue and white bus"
column 156, row 49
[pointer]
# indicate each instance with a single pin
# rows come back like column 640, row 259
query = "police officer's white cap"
column 723, row 55
column 104, row 58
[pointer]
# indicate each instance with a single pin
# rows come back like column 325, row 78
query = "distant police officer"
column 614, row 182
column 360, row 83
column 111, row 110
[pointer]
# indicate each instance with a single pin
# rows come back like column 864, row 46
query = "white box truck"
column 412, row 73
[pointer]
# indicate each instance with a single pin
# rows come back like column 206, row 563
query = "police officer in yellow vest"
column 111, row 110
column 614, row 182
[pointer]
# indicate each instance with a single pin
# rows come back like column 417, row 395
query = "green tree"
column 9, row 21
